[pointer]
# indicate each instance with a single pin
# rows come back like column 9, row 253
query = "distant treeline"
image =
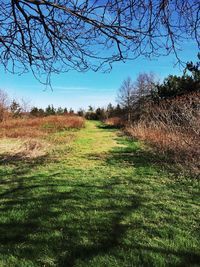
column 133, row 98
column 50, row 110
column 90, row 113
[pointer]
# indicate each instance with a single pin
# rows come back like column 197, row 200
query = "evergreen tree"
column 15, row 109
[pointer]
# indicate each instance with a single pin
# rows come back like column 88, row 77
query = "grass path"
column 100, row 201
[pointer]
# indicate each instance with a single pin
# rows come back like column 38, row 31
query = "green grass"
column 102, row 201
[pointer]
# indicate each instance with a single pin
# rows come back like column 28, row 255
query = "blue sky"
column 79, row 90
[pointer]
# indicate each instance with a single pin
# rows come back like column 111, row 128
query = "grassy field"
column 98, row 200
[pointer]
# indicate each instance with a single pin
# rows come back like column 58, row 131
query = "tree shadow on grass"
column 60, row 221
column 13, row 171
column 74, row 223
column 12, row 167
column 109, row 128
column 132, row 153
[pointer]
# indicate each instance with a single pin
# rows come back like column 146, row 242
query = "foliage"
column 81, row 112
column 103, row 113
column 50, row 110
column 71, row 111
column 15, row 109
column 175, row 86
column 59, row 111
column 194, row 68
column 37, row 112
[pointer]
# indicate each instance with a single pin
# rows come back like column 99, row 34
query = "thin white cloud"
column 88, row 90
column 70, row 88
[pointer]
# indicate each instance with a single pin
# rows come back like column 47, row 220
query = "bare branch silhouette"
column 56, row 36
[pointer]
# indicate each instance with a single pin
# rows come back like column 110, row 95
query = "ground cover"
column 98, row 199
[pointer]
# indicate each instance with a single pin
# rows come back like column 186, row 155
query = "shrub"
column 173, row 128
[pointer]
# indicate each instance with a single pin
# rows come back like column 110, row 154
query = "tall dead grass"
column 38, row 127
column 173, row 128
column 115, row 122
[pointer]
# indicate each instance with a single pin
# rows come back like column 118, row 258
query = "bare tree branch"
column 56, row 36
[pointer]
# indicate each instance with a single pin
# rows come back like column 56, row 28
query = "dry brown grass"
column 32, row 138
column 13, row 149
column 173, row 128
column 180, row 148
column 115, row 122
column 38, row 127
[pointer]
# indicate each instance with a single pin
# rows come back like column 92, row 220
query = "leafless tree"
column 145, row 84
column 25, row 105
column 3, row 104
column 133, row 95
column 58, row 35
column 125, row 97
